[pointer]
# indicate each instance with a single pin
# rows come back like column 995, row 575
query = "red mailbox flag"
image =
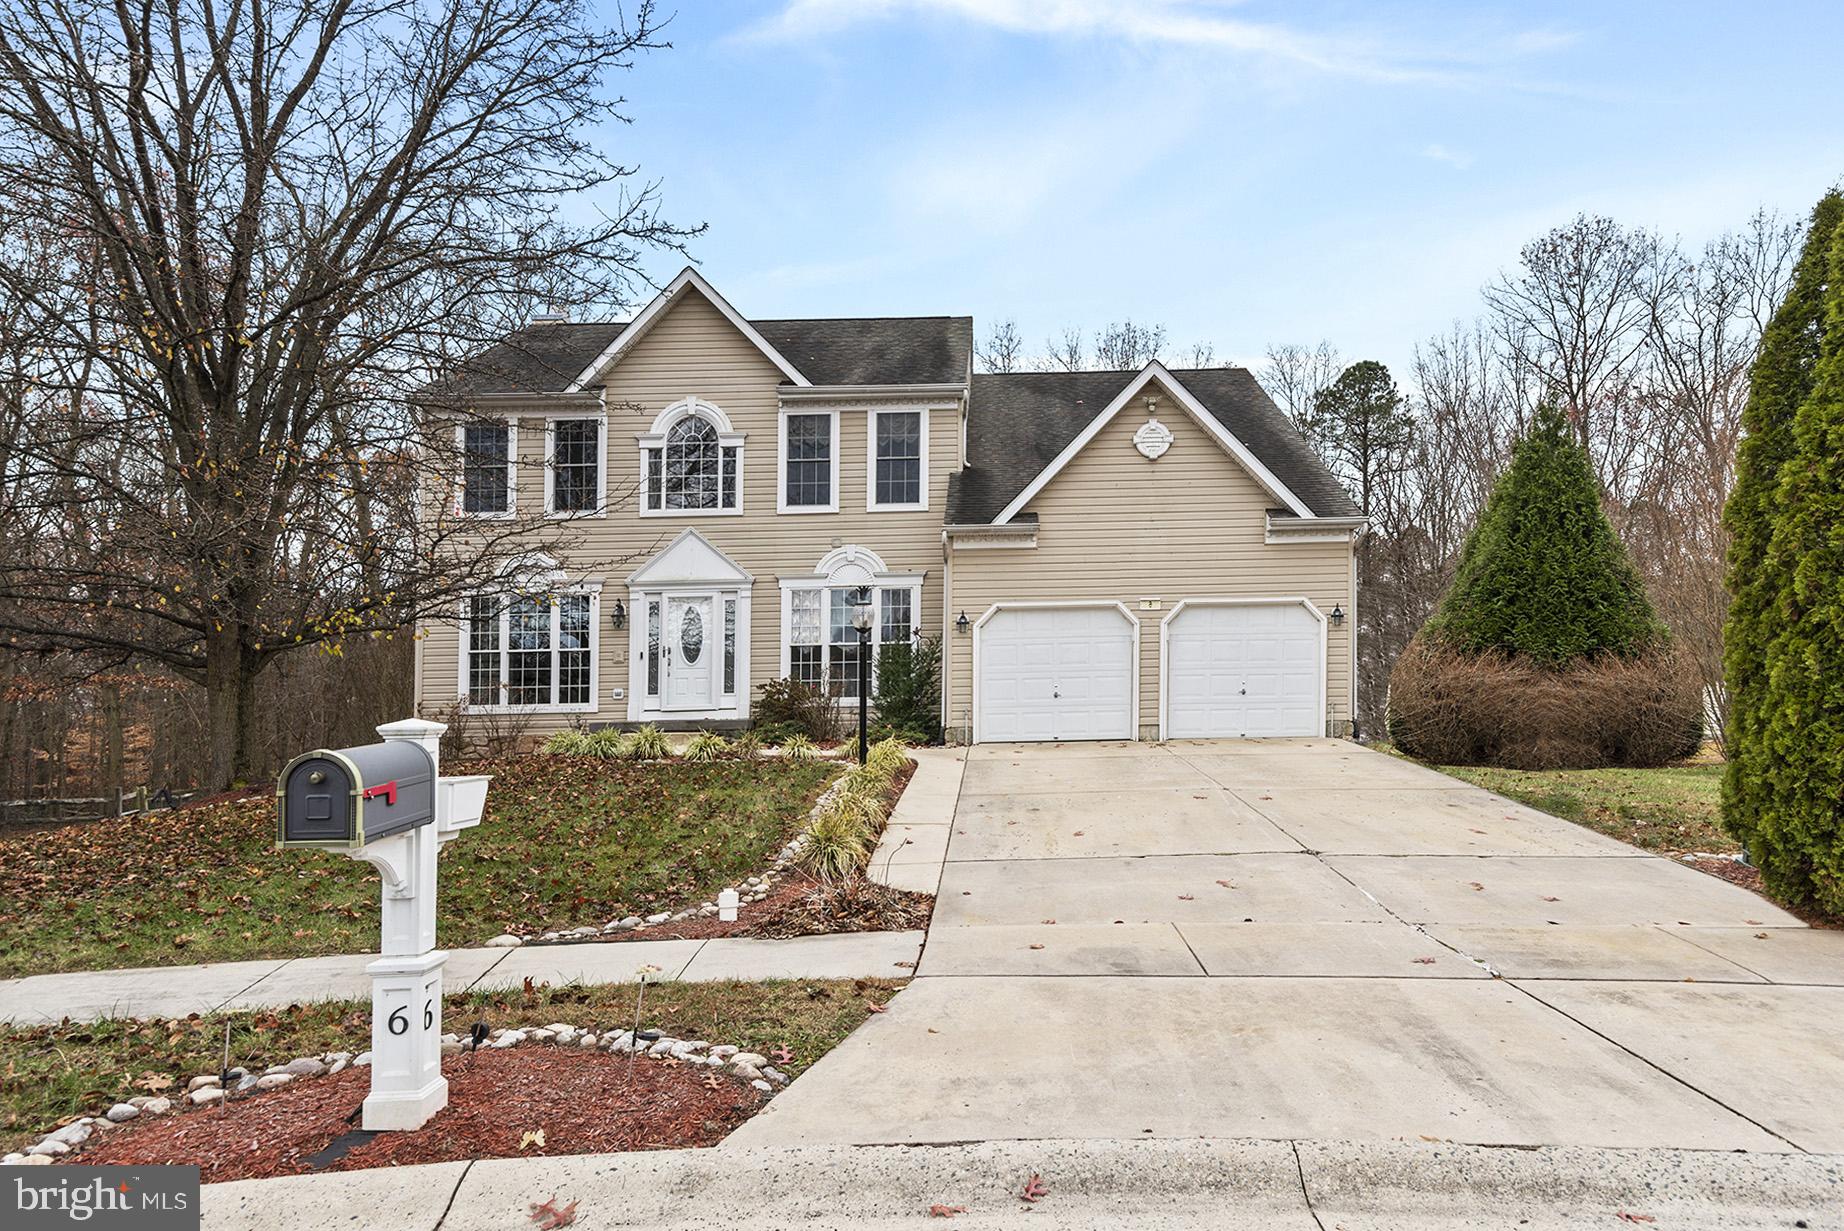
column 388, row 790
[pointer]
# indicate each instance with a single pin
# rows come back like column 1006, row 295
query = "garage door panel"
column 1055, row 674
column 1244, row 670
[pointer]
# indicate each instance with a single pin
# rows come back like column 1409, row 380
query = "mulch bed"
column 585, row 1101
column 1737, row 873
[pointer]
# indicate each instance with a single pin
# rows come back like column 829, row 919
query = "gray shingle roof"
column 875, row 350
column 1019, row 421
column 901, row 350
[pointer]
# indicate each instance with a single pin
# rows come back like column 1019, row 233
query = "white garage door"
column 1055, row 673
column 1244, row 671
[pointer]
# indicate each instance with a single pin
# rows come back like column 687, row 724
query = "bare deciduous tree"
column 233, row 238
column 1293, row 376
column 1068, row 353
column 1125, row 346
column 1002, row 350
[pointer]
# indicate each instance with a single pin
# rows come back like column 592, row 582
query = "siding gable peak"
column 689, row 281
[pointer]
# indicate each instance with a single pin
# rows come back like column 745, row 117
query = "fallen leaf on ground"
column 1185, row 897
column 1626, row 1217
column 548, row 1216
column 1226, row 884
column 532, row 1138
column 1477, row 886
column 1034, row 1189
column 782, row 1054
column 1037, row 946
column 1753, row 923
column 1547, row 898
column 1760, row 935
column 945, row 1211
column 1425, row 961
column 1079, row 833
column 1050, row 921
column 155, row 1082
column 873, row 1006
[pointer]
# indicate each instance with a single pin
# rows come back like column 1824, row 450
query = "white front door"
column 692, row 646
column 1055, row 673
column 1244, row 671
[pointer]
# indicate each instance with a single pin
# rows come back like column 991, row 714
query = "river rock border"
column 208, row 1089
column 751, row 890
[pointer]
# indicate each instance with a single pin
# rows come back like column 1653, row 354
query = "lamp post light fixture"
column 861, row 620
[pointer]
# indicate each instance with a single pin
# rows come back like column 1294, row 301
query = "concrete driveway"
column 1306, row 939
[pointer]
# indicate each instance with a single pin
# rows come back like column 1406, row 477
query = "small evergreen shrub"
column 798, row 707
column 646, row 743
column 707, row 746
column 909, row 688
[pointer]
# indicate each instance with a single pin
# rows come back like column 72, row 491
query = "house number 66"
column 398, row 1023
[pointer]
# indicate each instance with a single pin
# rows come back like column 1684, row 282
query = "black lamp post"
column 861, row 620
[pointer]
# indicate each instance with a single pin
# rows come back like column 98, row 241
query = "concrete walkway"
column 1210, row 1185
column 915, row 843
column 174, row 991
column 1306, row 939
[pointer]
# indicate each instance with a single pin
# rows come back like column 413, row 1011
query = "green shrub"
column 909, row 688
column 1790, row 807
column 799, row 748
column 568, row 744
column 706, row 746
column 1784, row 379
column 799, row 707
column 646, row 743
column 607, row 742
column 1543, row 574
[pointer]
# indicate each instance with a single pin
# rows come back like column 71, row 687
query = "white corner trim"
column 1204, row 419
column 1314, row 529
column 601, row 467
column 1325, row 675
column 781, row 460
column 1133, row 729
column 870, row 466
column 512, row 470
column 650, row 315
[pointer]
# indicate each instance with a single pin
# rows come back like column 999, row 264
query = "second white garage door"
column 1055, row 673
column 1244, row 671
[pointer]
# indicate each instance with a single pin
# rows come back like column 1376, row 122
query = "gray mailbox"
column 342, row 798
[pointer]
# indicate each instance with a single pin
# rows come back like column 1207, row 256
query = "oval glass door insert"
column 691, row 636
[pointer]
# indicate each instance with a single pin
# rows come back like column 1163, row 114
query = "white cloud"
column 1201, row 24
column 1434, row 151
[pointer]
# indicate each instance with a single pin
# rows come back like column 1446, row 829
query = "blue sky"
column 1245, row 173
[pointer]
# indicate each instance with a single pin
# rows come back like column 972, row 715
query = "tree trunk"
column 227, row 691
column 111, row 775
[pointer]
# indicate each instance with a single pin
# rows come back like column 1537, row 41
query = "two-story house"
column 1106, row 555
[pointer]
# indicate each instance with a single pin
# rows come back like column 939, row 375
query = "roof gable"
column 687, row 559
column 688, row 281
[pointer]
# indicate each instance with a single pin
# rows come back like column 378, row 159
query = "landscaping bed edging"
column 207, row 1089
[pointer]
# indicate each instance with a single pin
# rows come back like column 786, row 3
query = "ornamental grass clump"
column 646, row 743
column 841, row 836
column 606, row 743
column 747, row 746
column 800, row 748
column 1545, row 653
column 707, row 746
column 568, row 744
column 889, row 756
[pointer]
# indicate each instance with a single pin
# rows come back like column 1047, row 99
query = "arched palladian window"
column 691, row 462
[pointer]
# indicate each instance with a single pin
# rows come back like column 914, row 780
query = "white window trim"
column 1295, row 600
column 591, row 587
column 781, row 463
column 512, row 471
column 601, row 468
column 870, row 469
column 879, row 582
column 655, row 438
column 642, row 707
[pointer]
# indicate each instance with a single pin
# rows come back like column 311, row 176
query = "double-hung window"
column 487, row 451
column 810, row 462
column 898, row 449
column 530, row 650
column 575, row 476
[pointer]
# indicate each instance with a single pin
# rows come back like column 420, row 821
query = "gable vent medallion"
column 1153, row 439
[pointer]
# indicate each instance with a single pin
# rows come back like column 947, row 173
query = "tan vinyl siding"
column 1114, row 526
column 693, row 350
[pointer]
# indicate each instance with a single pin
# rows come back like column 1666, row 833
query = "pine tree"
column 1783, row 379
column 1796, row 759
column 1362, row 429
column 1543, row 574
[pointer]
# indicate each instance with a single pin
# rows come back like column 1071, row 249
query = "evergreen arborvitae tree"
column 1783, row 378
column 1544, row 575
column 1796, row 753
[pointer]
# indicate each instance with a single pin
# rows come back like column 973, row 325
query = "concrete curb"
column 1218, row 1184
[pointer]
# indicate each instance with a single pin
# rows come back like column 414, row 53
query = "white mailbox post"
column 407, row 1086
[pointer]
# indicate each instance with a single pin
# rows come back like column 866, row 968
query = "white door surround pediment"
column 690, row 559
